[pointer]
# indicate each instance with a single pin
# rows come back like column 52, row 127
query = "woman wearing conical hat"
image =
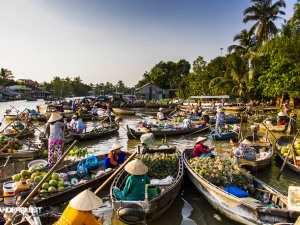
column 79, row 210
column 281, row 118
column 220, row 119
column 56, row 136
column 116, row 156
column 201, row 150
column 134, row 189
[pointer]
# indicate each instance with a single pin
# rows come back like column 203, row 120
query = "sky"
column 110, row 40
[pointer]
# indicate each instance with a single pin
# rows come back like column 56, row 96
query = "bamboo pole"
column 11, row 219
column 240, row 131
column 115, row 173
column 286, row 158
column 269, row 131
column 13, row 120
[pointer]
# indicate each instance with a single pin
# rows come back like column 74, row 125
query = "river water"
column 189, row 207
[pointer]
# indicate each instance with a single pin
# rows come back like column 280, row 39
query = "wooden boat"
column 68, row 138
column 153, row 119
column 133, row 212
column 271, row 127
column 227, row 120
column 29, row 154
column 132, row 134
column 69, row 193
column 234, row 108
column 285, row 141
column 13, row 117
column 31, row 99
column 124, row 111
column 89, row 136
column 259, row 164
column 223, row 136
column 155, row 105
column 25, row 133
column 243, row 210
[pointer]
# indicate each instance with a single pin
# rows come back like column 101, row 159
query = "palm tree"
column 264, row 13
column 236, row 77
column 246, row 42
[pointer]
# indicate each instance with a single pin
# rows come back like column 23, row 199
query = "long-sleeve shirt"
column 56, row 131
column 77, row 217
column 200, row 149
column 135, row 187
column 113, row 156
column 160, row 115
column 72, row 123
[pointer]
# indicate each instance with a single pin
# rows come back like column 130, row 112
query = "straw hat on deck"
column 201, row 139
column 281, row 114
column 136, row 167
column 115, row 146
column 54, row 117
column 86, row 201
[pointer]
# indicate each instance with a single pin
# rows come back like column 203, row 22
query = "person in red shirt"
column 116, row 156
column 201, row 150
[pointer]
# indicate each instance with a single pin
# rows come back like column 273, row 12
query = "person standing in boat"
column 56, row 136
column 116, row 156
column 79, row 210
column 160, row 114
column 281, row 118
column 220, row 119
column 201, row 150
column 241, row 150
column 287, row 108
column 134, row 189
column 73, row 106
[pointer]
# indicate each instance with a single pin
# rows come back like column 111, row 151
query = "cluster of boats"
column 264, row 206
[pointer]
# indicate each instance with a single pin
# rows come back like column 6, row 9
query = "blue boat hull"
column 223, row 136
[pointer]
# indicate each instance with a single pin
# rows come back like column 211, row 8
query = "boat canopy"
column 216, row 96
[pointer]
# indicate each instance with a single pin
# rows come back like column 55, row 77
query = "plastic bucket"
column 8, row 190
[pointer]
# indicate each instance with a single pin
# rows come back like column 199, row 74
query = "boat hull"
column 223, row 136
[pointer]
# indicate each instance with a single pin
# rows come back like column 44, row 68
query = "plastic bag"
column 167, row 181
column 91, row 162
column 82, row 169
column 236, row 191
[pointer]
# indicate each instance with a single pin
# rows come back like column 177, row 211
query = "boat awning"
column 215, row 96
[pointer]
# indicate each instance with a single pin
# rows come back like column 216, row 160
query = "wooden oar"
column 286, row 158
column 269, row 131
column 205, row 128
column 13, row 120
column 34, row 191
column 115, row 173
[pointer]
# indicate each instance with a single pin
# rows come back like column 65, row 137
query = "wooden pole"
column 13, row 120
column 269, row 131
column 115, row 173
column 240, row 132
column 286, row 158
column 11, row 219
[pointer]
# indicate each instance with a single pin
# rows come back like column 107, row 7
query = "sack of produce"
column 91, row 162
column 81, row 169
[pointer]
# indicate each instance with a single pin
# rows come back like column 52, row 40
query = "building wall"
column 152, row 92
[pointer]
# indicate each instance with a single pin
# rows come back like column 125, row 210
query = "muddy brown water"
column 189, row 206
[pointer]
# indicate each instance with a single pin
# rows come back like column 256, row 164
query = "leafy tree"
column 6, row 77
column 264, row 13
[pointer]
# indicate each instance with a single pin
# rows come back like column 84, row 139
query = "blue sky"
column 107, row 41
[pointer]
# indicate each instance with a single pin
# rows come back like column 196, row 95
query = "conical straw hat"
column 115, row 146
column 220, row 110
column 54, row 117
column 247, row 142
column 204, row 113
column 161, row 109
column 201, row 139
column 136, row 167
column 281, row 114
column 86, row 201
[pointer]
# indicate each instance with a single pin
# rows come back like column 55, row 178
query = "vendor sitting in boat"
column 281, row 118
column 160, row 114
column 134, row 189
column 79, row 125
column 201, row 150
column 72, row 122
column 94, row 111
column 197, row 112
column 241, row 150
column 205, row 117
column 79, row 210
column 116, row 156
